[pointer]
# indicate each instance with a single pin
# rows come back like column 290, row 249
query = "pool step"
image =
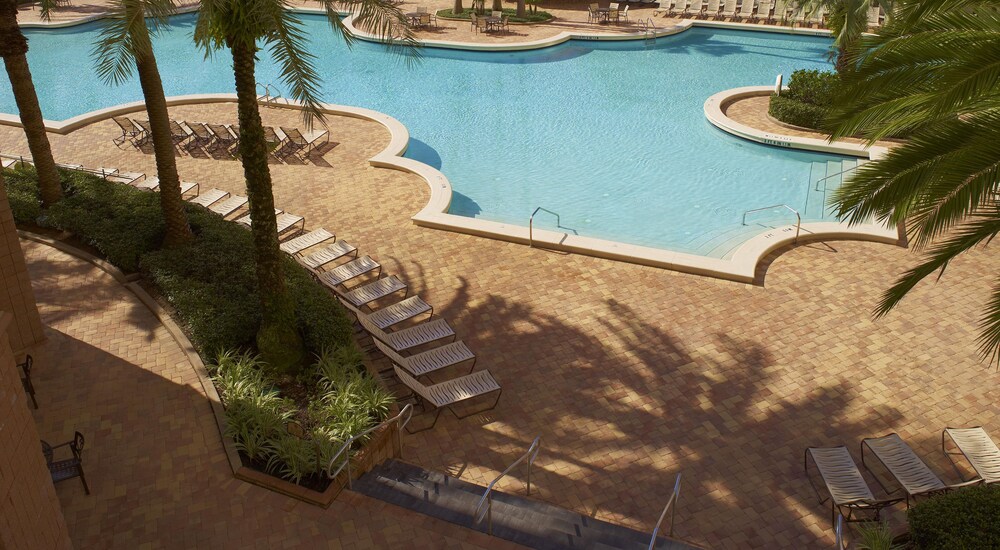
column 824, row 179
column 722, row 243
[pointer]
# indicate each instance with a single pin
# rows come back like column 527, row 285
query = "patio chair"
column 328, row 254
column 386, row 317
column 978, row 448
column 117, row 176
column 730, row 9
column 746, row 11
column 349, row 271
column 229, row 206
column 613, row 12
column 409, row 338
column 153, row 184
column 209, row 197
column 304, row 143
column 306, row 240
column 179, row 134
column 762, row 12
column 594, row 15
column 202, row 135
column 130, row 131
column 665, row 8
column 687, row 8
column 448, row 394
column 422, row 364
column 29, row 388
column 703, row 8
column 375, row 290
column 770, row 18
column 912, row 473
column 624, row 14
column 69, row 468
column 274, row 139
column 284, row 221
column 225, row 137
column 846, row 488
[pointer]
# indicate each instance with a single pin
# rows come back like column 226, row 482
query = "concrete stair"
column 528, row 522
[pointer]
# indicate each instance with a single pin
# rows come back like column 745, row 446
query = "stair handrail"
column 485, row 506
column 672, row 508
column 841, row 173
column 531, row 224
column 798, row 217
column 402, row 418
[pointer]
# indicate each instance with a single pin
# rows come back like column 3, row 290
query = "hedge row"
column 795, row 112
column 968, row 518
column 806, row 100
column 211, row 283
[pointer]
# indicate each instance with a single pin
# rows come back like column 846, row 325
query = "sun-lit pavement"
column 629, row 374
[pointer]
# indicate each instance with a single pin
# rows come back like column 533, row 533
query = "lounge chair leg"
column 86, row 488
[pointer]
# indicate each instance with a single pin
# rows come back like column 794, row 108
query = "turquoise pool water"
column 610, row 135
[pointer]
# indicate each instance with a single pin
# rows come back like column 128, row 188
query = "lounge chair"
column 847, row 490
column 977, row 447
column 422, row 364
column 375, row 290
column 731, row 10
column 117, row 176
column 179, row 134
column 448, row 394
column 274, row 139
column 130, row 131
column 7, row 162
column 283, row 220
column 770, row 18
column 349, row 271
column 209, row 197
column 225, row 137
column 386, row 317
column 328, row 254
column 687, row 8
column 202, row 135
column 229, row 206
column 666, row 8
column 306, row 240
column 747, row 10
column 707, row 7
column 905, row 467
column 304, row 144
column 593, row 16
column 763, row 11
column 153, row 184
column 409, row 338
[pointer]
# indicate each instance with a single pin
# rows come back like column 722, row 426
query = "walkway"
column 154, row 460
column 630, row 374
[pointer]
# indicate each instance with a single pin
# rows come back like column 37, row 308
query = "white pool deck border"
column 742, row 264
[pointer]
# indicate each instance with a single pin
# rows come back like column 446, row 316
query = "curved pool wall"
column 609, row 134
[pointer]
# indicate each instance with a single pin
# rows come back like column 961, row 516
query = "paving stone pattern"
column 630, row 374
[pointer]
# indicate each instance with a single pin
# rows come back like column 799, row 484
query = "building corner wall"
column 16, row 295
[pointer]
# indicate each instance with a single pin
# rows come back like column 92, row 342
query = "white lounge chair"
column 422, row 364
column 731, row 9
column 153, row 184
column 747, row 10
column 977, row 447
column 412, row 337
column 448, row 394
column 296, row 142
column 385, row 317
column 912, row 473
column 847, row 490
column 306, row 240
column 666, row 8
column 328, row 254
column 227, row 207
column 346, row 272
column 375, row 290
column 209, row 197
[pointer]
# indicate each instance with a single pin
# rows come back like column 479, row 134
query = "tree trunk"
column 457, row 9
column 13, row 47
column 520, row 8
column 178, row 231
column 277, row 339
column 497, row 5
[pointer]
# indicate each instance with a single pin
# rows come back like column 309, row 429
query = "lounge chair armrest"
column 977, row 481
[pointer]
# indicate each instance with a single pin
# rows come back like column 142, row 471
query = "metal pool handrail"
column 672, row 508
column 798, row 217
column 531, row 221
column 841, row 173
column 485, row 506
column 407, row 412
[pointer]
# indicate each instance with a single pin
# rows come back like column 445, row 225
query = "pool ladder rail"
column 271, row 93
column 798, row 217
column 531, row 224
column 648, row 30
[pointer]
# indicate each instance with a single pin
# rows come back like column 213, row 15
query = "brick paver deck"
column 630, row 374
column 154, row 460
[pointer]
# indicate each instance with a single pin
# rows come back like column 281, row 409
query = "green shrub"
column 22, row 192
column 795, row 112
column 812, row 87
column 964, row 519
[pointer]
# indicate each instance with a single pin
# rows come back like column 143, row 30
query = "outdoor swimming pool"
column 610, row 135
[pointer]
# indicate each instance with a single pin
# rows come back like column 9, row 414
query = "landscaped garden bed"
column 529, row 16
column 283, row 424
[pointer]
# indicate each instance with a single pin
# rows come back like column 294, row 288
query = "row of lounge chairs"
column 283, row 142
column 755, row 11
column 403, row 327
column 848, row 492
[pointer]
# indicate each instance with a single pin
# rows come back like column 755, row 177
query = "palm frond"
column 287, row 42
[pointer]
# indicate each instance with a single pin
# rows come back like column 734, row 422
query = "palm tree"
column 13, row 47
column 932, row 74
column 240, row 25
column 125, row 43
column 848, row 20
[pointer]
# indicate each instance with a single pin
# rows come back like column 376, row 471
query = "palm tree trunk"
column 277, row 339
column 457, row 9
column 520, row 8
column 497, row 5
column 13, row 47
column 178, row 231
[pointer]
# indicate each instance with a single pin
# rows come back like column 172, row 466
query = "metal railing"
column 402, row 418
column 798, row 217
column 839, row 530
column 268, row 97
column 485, row 506
column 531, row 224
column 648, row 29
column 670, row 507
column 841, row 173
